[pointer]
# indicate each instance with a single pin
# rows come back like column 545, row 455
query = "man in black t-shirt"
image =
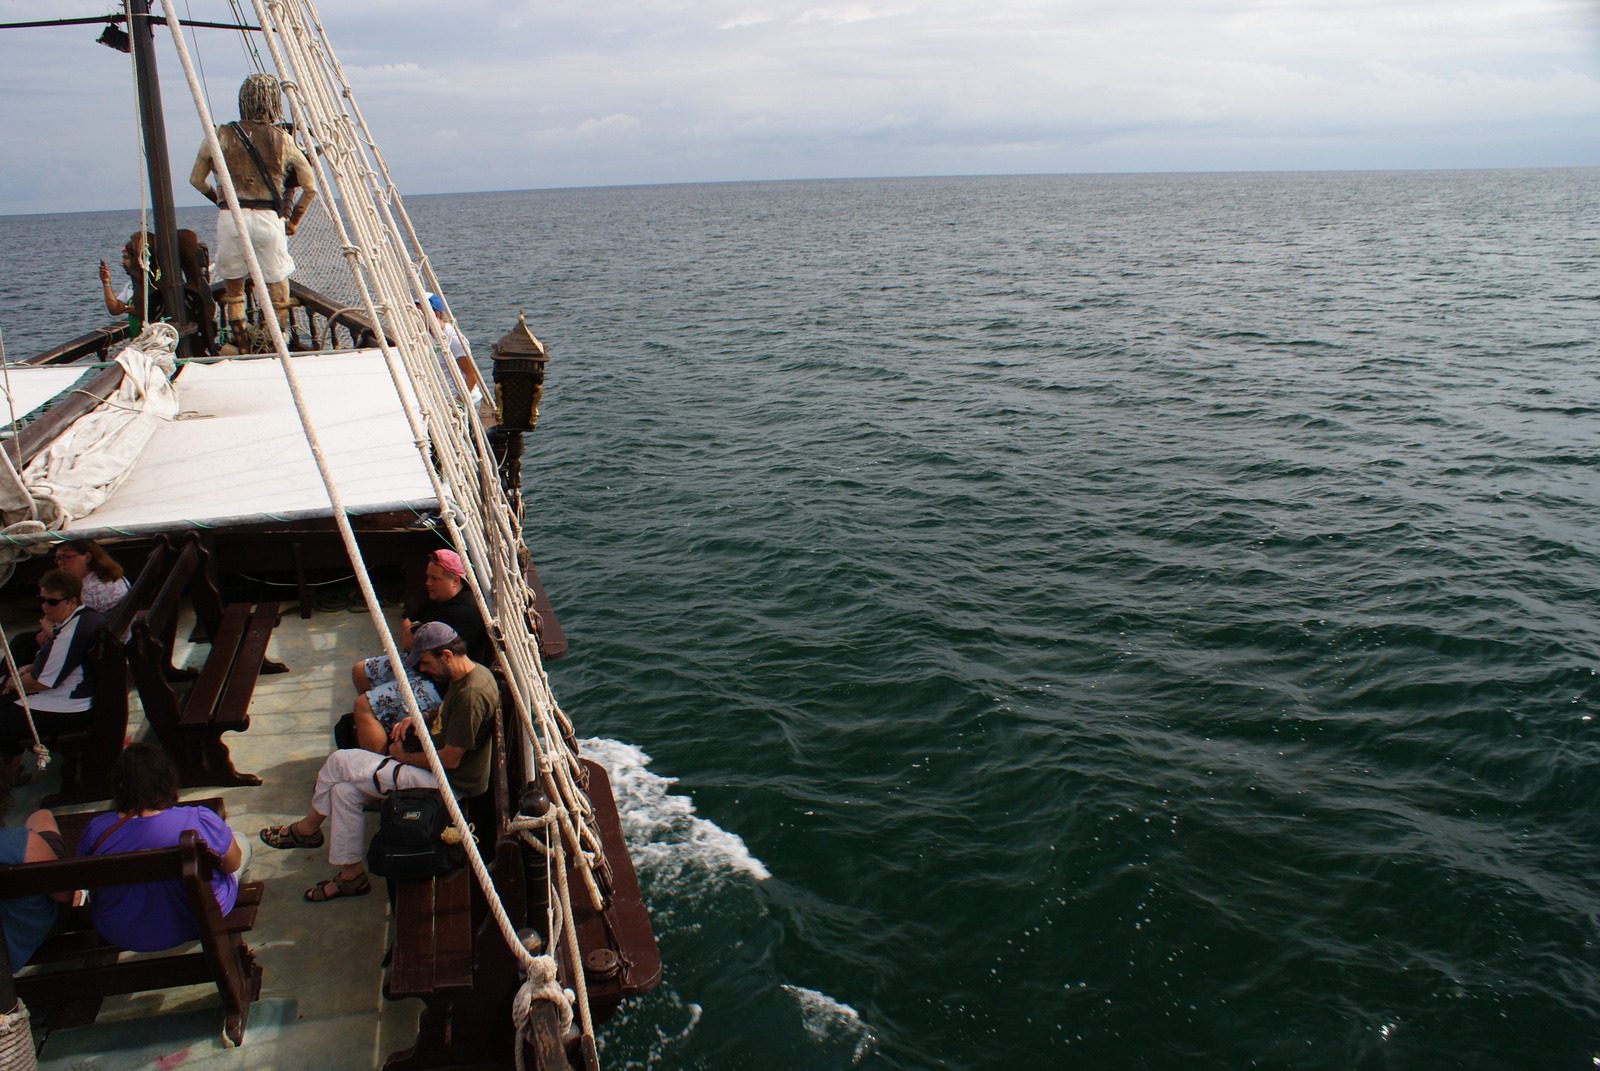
column 450, row 602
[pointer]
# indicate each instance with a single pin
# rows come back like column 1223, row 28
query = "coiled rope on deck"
column 16, row 1040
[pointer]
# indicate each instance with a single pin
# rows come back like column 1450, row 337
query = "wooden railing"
column 324, row 321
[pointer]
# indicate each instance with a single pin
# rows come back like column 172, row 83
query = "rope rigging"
column 370, row 227
column 13, row 474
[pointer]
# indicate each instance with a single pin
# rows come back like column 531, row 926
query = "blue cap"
column 437, row 302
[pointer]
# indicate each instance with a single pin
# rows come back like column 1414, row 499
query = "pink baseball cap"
column 449, row 561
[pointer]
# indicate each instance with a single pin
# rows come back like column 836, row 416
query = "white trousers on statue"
column 266, row 233
column 345, row 784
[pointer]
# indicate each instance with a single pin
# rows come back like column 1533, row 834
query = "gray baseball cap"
column 428, row 636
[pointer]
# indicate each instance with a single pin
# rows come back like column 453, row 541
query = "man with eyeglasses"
column 60, row 683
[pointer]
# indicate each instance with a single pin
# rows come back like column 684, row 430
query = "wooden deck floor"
column 320, row 1006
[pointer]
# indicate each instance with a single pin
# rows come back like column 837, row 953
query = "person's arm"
column 40, row 852
column 113, row 306
column 200, row 174
column 27, row 677
column 31, row 686
column 458, row 350
column 214, row 831
column 457, row 722
column 305, row 178
column 77, row 632
column 405, row 634
column 469, row 372
column 449, row 757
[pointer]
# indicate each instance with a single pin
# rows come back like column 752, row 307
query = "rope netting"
column 360, row 216
column 318, row 262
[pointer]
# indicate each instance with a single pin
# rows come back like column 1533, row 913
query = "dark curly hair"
column 143, row 779
column 62, row 583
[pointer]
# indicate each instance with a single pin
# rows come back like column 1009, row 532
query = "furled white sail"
column 86, row 464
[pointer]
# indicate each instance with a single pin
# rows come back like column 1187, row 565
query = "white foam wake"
column 830, row 1022
column 667, row 840
column 693, row 871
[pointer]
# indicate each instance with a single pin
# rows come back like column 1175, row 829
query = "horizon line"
column 891, row 178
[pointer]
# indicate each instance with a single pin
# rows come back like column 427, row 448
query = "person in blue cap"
column 458, row 350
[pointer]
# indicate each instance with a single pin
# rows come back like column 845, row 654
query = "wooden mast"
column 142, row 35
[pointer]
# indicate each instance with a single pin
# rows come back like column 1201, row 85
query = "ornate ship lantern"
column 519, row 361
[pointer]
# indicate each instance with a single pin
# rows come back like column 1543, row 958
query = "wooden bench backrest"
column 110, row 704
column 179, row 568
column 143, row 588
column 188, row 858
column 170, row 571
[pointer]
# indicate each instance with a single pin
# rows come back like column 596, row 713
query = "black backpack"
column 408, row 844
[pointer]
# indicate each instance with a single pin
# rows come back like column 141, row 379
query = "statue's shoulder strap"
column 250, row 147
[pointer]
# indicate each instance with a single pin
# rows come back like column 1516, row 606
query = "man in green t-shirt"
column 462, row 732
column 465, row 721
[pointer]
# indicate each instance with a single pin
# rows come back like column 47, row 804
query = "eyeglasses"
column 63, row 555
column 45, row 600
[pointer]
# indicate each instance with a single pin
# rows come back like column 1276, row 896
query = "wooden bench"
column 86, row 755
column 433, row 937
column 448, row 950
column 219, row 700
column 223, row 956
column 431, row 950
column 434, row 927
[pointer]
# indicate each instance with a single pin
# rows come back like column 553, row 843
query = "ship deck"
column 321, row 1004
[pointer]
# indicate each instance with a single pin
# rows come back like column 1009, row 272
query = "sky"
column 516, row 94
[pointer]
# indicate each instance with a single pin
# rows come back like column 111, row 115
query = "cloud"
column 840, row 16
column 382, row 71
column 562, row 92
column 588, row 129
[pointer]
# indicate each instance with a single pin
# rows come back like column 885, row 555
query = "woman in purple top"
column 155, row 915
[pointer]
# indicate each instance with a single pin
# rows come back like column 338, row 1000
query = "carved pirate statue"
column 266, row 166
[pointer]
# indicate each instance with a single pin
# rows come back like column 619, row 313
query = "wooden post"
column 300, row 581
column 142, row 35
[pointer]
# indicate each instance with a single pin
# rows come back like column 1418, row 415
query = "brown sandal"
column 289, row 837
column 358, row 886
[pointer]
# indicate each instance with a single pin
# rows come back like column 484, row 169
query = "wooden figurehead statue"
column 266, row 167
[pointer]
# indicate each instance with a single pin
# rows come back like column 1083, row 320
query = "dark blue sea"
column 1082, row 622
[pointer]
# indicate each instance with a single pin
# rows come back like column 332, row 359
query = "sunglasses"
column 45, row 600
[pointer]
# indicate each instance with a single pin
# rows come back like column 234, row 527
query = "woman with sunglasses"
column 104, row 588
column 60, row 683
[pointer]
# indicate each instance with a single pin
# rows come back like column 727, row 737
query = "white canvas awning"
column 32, row 387
column 237, row 454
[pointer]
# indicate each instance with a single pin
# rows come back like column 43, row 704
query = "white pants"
column 243, row 873
column 265, row 228
column 344, row 785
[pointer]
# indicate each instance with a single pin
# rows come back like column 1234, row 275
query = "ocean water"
column 1103, row 622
